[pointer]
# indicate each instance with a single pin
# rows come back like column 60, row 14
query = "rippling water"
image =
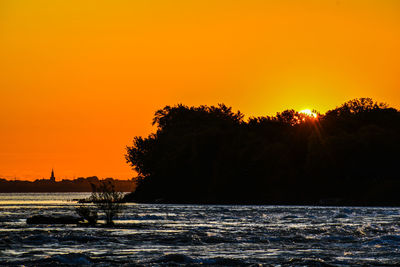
column 161, row 235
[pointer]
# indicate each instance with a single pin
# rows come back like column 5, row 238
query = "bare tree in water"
column 87, row 214
column 107, row 200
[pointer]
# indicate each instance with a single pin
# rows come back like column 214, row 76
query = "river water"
column 191, row 235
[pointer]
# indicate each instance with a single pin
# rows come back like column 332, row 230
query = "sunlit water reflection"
column 157, row 235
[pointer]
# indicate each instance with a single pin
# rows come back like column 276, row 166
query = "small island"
column 212, row 155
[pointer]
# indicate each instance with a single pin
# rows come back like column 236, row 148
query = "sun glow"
column 309, row 113
column 75, row 74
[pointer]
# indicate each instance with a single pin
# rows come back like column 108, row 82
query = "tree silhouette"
column 211, row 155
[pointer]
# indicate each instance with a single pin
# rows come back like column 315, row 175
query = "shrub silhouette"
column 87, row 214
column 107, row 200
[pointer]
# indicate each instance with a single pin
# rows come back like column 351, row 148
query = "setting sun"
column 308, row 112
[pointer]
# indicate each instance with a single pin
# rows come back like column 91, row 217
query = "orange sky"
column 79, row 79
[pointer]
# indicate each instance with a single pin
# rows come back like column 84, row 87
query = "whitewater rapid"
column 190, row 235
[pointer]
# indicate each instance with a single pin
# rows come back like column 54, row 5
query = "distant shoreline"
column 315, row 204
column 67, row 186
column 43, row 192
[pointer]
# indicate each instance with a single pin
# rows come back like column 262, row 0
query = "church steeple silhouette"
column 52, row 178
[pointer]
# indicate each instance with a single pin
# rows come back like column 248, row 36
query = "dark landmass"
column 77, row 185
column 210, row 155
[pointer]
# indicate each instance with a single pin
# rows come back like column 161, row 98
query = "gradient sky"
column 79, row 79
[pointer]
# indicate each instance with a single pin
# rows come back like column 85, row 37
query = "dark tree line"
column 77, row 185
column 349, row 156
